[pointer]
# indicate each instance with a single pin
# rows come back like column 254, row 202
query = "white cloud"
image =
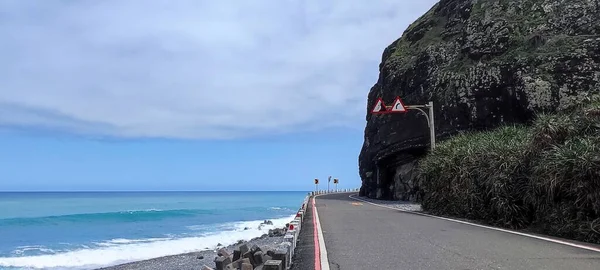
column 193, row 69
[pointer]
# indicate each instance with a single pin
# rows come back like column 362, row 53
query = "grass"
column 544, row 177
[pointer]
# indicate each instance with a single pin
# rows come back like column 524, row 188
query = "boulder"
column 282, row 256
column 247, row 266
column 248, row 255
column 258, row 257
column 223, row 252
column 221, row 262
column 239, row 250
column 204, row 267
column 273, row 265
column 255, row 248
column 276, row 232
column 243, row 248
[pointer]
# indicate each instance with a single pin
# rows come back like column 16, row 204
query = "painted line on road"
column 321, row 261
column 486, row 227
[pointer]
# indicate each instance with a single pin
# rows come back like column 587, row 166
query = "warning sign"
column 379, row 107
column 398, row 106
column 316, row 181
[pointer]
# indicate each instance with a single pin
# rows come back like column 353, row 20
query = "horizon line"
column 74, row 191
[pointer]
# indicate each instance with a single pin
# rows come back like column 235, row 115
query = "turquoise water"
column 84, row 230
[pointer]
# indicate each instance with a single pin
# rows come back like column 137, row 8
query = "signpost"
column 399, row 107
column 316, row 185
column 328, row 181
column 335, row 182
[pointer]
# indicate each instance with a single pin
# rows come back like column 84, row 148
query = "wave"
column 117, row 251
column 23, row 249
column 121, row 216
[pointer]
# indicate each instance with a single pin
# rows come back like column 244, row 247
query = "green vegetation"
column 544, row 177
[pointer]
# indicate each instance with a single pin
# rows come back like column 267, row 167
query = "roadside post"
column 399, row 107
column 328, row 181
column 316, row 185
column 335, row 182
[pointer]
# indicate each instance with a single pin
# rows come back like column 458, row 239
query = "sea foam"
column 117, row 251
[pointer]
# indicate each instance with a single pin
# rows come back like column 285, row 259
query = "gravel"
column 192, row 260
column 401, row 205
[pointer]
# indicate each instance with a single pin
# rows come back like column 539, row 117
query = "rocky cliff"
column 483, row 63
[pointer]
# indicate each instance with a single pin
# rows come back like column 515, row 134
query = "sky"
column 189, row 94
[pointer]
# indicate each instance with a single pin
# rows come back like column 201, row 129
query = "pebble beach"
column 194, row 260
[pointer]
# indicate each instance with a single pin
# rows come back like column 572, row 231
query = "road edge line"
column 322, row 263
column 485, row 227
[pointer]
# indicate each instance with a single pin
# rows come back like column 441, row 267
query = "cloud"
column 193, row 69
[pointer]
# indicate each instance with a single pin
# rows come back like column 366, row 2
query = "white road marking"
column 324, row 259
column 487, row 227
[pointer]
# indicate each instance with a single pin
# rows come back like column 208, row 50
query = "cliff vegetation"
column 545, row 177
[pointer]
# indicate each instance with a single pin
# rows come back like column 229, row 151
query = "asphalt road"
column 363, row 236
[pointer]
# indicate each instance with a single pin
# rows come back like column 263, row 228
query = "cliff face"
column 482, row 63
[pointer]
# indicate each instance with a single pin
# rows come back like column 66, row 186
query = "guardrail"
column 312, row 193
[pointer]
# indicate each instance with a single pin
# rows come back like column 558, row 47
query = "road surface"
column 362, row 236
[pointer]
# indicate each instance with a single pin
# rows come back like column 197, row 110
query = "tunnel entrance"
column 386, row 173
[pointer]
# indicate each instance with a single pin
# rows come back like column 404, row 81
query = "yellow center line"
column 356, row 203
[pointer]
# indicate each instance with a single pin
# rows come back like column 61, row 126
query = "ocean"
column 83, row 230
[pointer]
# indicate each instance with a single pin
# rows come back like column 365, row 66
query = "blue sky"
column 188, row 94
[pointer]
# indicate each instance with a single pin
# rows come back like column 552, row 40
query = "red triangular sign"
column 379, row 107
column 398, row 106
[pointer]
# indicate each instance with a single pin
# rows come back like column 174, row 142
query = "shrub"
column 545, row 177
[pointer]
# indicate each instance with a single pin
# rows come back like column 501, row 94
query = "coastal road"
column 359, row 235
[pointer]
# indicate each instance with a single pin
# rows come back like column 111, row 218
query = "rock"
column 276, row 232
column 204, row 267
column 259, row 267
column 483, row 63
column 248, row 255
column 268, row 222
column 237, row 254
column 283, row 257
column 258, row 257
column 267, row 257
column 219, row 245
column 255, row 248
column 238, row 264
column 221, row 262
column 264, row 235
column 240, row 242
column 243, row 248
column 270, row 252
column 223, row 252
column 246, row 228
column 200, row 257
column 273, row 265
column 247, row 266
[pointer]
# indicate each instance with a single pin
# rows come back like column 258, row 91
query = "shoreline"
column 196, row 259
column 199, row 259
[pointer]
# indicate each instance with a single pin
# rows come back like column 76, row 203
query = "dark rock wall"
column 483, row 63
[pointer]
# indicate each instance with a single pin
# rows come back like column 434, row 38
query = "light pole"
column 429, row 118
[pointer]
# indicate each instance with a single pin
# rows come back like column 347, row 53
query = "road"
column 362, row 236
